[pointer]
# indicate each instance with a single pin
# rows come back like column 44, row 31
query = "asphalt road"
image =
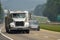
column 34, row 35
column 1, row 36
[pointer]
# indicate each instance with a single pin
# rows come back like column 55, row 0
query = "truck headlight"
column 12, row 25
column 26, row 24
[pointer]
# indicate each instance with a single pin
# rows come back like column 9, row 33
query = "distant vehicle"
column 34, row 24
column 17, row 20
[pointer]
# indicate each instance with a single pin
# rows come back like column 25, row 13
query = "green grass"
column 50, row 27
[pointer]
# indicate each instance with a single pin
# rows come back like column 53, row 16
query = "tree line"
column 1, row 13
column 52, row 10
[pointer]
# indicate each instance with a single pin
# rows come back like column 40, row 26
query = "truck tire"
column 27, row 31
column 7, row 30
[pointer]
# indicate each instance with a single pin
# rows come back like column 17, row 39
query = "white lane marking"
column 4, row 34
column 58, row 39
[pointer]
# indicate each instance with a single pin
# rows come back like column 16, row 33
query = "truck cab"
column 17, row 20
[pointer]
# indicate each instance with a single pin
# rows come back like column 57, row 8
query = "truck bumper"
column 13, row 28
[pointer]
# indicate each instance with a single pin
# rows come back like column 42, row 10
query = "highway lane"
column 34, row 35
column 1, row 36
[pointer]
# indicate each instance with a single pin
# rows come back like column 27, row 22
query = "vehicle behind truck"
column 17, row 20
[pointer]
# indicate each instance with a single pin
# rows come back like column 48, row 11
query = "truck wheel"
column 27, row 31
column 7, row 29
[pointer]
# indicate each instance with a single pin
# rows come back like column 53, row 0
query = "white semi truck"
column 17, row 20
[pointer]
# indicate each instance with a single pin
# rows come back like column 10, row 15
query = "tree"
column 52, row 9
column 1, row 13
column 39, row 9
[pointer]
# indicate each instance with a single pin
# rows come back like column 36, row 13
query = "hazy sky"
column 21, row 4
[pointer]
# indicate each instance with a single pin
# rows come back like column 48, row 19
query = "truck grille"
column 19, row 23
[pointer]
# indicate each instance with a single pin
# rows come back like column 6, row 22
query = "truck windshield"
column 18, row 15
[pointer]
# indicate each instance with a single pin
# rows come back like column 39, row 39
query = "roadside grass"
column 51, row 27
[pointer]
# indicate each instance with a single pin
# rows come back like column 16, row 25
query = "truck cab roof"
column 18, row 12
